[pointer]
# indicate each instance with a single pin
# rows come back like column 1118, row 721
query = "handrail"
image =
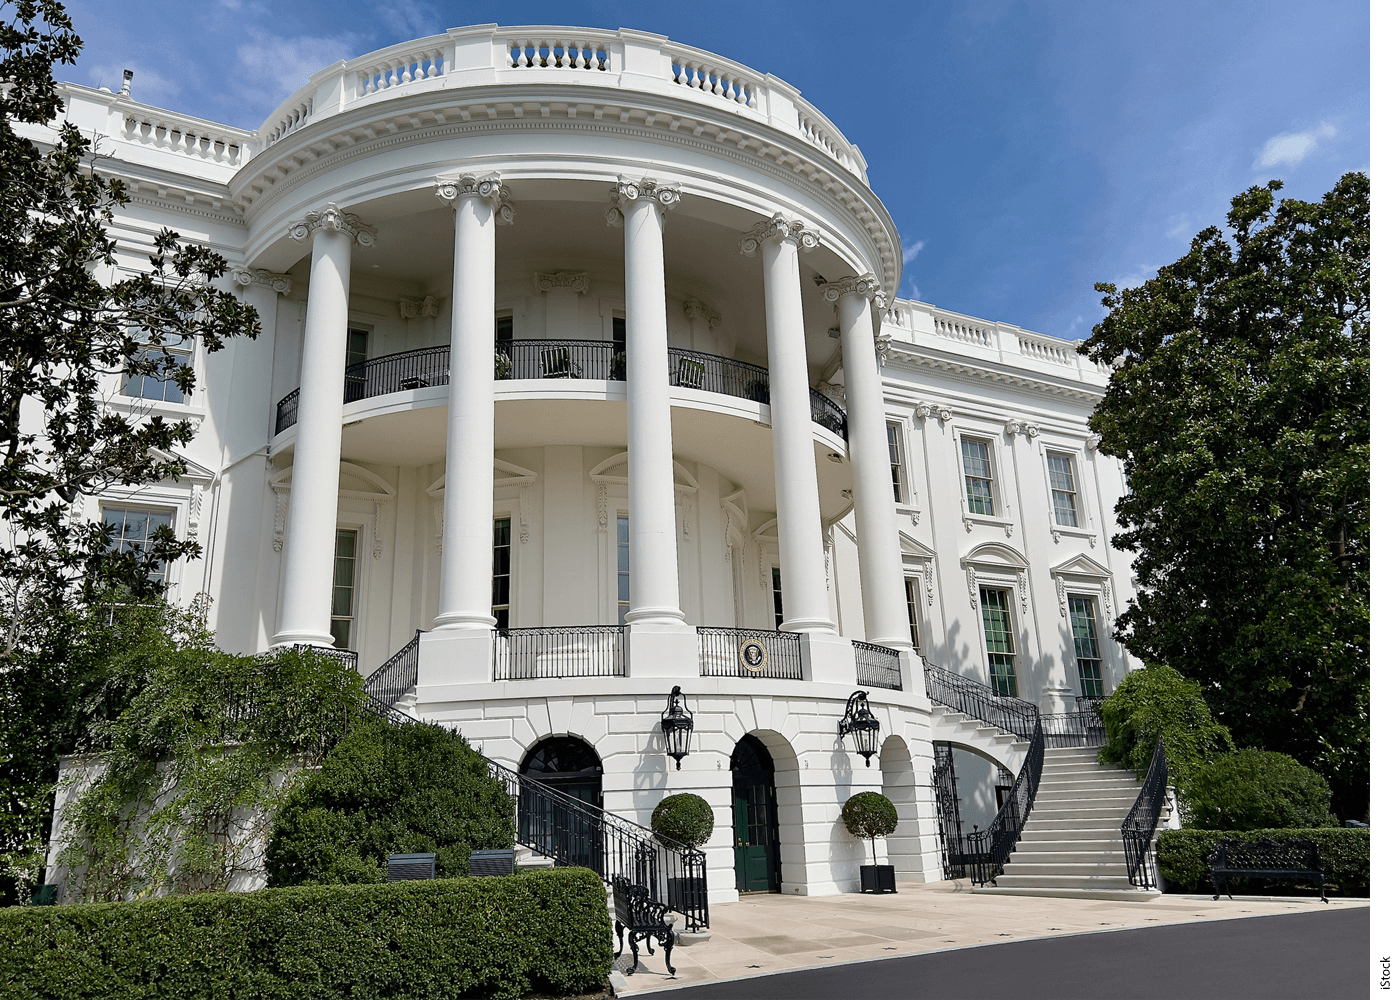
column 398, row 674
column 1074, row 729
column 1140, row 825
column 989, row 849
column 978, row 701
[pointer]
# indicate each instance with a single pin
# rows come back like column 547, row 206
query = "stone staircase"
column 1072, row 843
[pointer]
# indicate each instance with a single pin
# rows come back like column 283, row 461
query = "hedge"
column 474, row 937
column 1184, row 857
column 685, row 818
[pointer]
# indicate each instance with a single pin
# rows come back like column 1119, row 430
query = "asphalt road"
column 1317, row 955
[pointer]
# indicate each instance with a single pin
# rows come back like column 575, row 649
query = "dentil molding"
column 332, row 219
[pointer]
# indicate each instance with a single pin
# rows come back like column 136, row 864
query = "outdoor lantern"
column 676, row 726
column 861, row 725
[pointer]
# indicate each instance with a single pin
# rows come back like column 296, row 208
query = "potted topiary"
column 868, row 815
column 686, row 819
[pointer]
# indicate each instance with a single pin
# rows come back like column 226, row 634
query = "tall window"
column 777, row 598
column 343, row 587
column 911, row 601
column 624, row 570
column 1086, row 646
column 1062, row 492
column 619, row 333
column 977, row 473
column 500, row 572
column 1001, row 643
column 505, row 328
column 179, row 351
column 901, row 490
column 132, row 530
column 356, row 347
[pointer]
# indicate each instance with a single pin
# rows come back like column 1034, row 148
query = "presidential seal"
column 754, row 655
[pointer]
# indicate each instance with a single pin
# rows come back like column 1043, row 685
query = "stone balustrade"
column 185, row 135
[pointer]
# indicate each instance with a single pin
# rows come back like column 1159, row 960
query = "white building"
column 684, row 401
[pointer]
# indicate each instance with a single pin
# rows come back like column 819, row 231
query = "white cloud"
column 147, row 86
column 918, row 295
column 1291, row 148
column 911, row 250
column 282, row 65
column 410, row 18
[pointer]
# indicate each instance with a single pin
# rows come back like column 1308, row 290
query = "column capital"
column 574, row 281
column 332, row 219
column 865, row 285
column 279, row 283
column 782, row 229
column 695, row 309
column 631, row 192
column 486, row 187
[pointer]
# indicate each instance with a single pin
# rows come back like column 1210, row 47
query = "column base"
column 657, row 616
column 828, row 658
column 662, row 648
column 302, row 638
column 808, row 625
column 454, row 620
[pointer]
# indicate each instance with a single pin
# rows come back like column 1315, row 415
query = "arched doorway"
column 757, row 865
column 570, row 767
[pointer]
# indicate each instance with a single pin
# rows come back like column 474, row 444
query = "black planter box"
column 877, row 878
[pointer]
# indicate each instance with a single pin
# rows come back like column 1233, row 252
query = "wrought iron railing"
column 592, row 359
column 828, row 413
column 1140, row 826
column 287, row 410
column 747, row 652
column 398, row 675
column 559, row 651
column 346, row 656
column 877, row 666
column 978, row 701
column 1074, row 729
column 396, row 373
column 945, row 790
column 989, row 849
column 713, row 373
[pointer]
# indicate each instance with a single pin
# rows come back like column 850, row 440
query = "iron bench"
column 1266, row 859
column 644, row 918
column 411, row 866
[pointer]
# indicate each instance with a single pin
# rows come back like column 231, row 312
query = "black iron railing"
column 346, row 656
column 747, row 652
column 989, row 849
column 603, row 360
column 877, row 666
column 1074, row 729
column 559, row 651
column 397, row 676
column 945, row 790
column 1140, row 826
column 978, row 701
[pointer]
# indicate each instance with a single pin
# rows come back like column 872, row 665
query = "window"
column 132, row 531
column 356, row 347
column 977, row 473
column 1086, row 646
column 505, row 328
column 901, row 490
column 624, row 570
column 619, row 332
column 1062, row 489
column 911, row 601
column 174, row 350
column 777, row 598
column 500, row 572
column 1001, row 643
column 343, row 587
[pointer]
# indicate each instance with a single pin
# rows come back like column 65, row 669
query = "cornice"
column 899, row 353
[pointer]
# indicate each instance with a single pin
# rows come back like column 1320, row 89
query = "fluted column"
column 881, row 564
column 309, row 551
column 651, row 498
column 468, row 495
column 805, row 606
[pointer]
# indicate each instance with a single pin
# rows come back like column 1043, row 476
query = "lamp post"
column 677, row 726
column 861, row 725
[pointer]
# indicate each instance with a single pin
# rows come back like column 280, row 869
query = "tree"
column 1239, row 404
column 1160, row 703
column 868, row 815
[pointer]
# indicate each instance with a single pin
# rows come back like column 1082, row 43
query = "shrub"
column 1252, row 789
column 684, row 818
column 389, row 789
column 545, row 930
column 869, row 815
column 1184, row 857
column 1156, row 700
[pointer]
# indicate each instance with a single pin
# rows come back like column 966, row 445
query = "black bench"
column 644, row 918
column 1296, row 859
column 411, row 866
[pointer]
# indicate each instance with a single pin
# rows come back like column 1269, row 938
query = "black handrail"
column 398, row 675
column 1074, row 729
column 990, row 849
column 826, row 412
column 945, row 788
column 877, row 666
column 715, row 373
column 978, row 701
column 559, row 651
column 749, row 652
column 1140, row 826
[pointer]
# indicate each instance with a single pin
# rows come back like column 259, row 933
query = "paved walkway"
column 764, row 934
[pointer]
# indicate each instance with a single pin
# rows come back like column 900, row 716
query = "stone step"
column 1076, row 866
column 1087, row 791
column 1041, row 848
column 1116, row 881
column 1059, row 825
column 1132, row 895
column 1088, row 811
column 1097, row 834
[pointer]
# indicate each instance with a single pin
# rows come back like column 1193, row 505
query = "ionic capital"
column 332, row 219
column 866, row 285
column 574, row 281
column 629, row 192
column 781, row 229
column 695, row 309
column 279, row 283
column 485, row 187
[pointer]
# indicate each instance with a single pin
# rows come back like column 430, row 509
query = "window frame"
column 1093, row 601
column 969, row 516
column 172, row 509
column 1008, row 594
column 913, row 601
column 356, row 586
column 775, row 595
column 1075, row 493
column 899, row 462
column 620, row 518
column 510, row 568
column 189, row 350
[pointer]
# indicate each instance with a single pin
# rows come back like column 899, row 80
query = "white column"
column 468, row 498
column 309, row 552
column 805, row 605
column 651, row 496
column 877, row 532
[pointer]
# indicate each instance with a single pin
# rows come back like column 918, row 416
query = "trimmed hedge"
column 1184, row 857
column 685, row 818
column 448, row 938
column 1251, row 789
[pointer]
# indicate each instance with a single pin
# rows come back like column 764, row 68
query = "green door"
column 755, row 819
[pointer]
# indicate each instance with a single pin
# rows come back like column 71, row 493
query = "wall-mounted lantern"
column 677, row 725
column 861, row 725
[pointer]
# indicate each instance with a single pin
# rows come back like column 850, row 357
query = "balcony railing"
column 877, row 666
column 978, row 701
column 559, row 651
column 747, row 652
column 602, row 360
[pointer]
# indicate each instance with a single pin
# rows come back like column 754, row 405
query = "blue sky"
column 1025, row 149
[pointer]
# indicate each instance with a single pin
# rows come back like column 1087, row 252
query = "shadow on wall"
column 978, row 779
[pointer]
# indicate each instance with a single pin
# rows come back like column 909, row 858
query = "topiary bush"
column 869, row 815
column 1252, row 789
column 389, row 789
column 685, row 818
column 1184, row 857
column 1155, row 700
